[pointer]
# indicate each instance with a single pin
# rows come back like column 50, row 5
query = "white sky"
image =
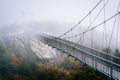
column 15, row 11
column 63, row 11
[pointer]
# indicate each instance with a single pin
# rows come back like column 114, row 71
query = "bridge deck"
column 105, row 63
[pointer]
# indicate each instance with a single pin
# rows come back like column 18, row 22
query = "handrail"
column 87, row 52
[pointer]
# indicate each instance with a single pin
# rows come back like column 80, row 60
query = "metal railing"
column 101, row 61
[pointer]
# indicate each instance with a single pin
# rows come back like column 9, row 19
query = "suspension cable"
column 97, row 25
column 91, row 22
column 82, row 19
column 83, row 33
column 104, row 28
column 118, row 31
column 113, row 27
column 91, row 33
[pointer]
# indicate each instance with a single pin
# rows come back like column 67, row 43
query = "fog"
column 56, row 17
column 71, row 11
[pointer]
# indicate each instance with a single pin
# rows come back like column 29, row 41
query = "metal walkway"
column 105, row 63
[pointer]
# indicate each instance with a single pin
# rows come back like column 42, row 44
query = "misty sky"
column 16, row 11
column 57, row 16
column 61, row 11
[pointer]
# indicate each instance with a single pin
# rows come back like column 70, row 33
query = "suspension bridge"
column 104, row 62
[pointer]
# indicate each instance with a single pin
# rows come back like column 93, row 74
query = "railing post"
column 95, row 64
column 84, row 60
column 111, row 70
column 75, row 51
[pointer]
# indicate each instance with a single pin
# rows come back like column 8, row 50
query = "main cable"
column 91, row 22
column 82, row 19
column 99, row 24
